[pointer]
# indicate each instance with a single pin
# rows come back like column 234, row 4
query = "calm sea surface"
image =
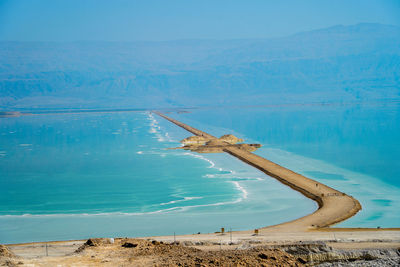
column 73, row 176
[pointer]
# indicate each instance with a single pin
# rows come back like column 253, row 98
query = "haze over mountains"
column 336, row 64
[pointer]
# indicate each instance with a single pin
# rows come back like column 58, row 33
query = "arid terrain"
column 150, row 252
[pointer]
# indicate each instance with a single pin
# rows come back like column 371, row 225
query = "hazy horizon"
column 206, row 39
column 127, row 21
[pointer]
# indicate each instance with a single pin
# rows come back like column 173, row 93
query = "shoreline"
column 362, row 245
column 323, row 233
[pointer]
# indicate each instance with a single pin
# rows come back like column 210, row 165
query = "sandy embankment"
column 334, row 206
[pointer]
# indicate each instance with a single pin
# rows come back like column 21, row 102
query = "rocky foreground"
column 140, row 252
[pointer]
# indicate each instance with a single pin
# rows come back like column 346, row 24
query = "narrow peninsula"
column 333, row 206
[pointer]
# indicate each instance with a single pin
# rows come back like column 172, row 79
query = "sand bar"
column 333, row 206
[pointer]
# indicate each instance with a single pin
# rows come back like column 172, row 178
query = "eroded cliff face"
column 321, row 254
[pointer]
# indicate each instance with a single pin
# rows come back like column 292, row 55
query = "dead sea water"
column 74, row 176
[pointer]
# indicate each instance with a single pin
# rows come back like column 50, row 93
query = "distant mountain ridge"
column 341, row 63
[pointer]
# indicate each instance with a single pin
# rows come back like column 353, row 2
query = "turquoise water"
column 98, row 164
column 73, row 176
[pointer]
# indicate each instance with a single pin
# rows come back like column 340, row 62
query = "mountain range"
column 337, row 64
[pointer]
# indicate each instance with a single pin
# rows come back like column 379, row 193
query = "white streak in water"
column 155, row 129
column 180, row 200
column 240, row 188
column 212, row 164
column 178, row 209
column 25, row 144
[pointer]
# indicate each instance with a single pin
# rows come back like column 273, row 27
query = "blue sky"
column 155, row 20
